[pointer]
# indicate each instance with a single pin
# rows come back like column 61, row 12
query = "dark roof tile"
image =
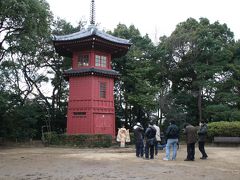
column 91, row 31
column 87, row 71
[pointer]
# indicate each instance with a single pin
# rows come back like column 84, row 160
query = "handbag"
column 151, row 141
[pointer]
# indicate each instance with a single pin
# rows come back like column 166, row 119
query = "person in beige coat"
column 191, row 138
column 158, row 138
column 123, row 136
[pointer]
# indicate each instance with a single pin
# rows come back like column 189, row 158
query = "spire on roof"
column 92, row 13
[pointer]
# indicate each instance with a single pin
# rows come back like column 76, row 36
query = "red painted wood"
column 87, row 112
column 103, row 123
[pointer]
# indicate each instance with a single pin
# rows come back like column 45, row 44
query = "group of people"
column 147, row 142
column 192, row 136
column 152, row 138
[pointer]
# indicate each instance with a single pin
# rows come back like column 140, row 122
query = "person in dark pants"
column 139, row 134
column 202, row 133
column 158, row 137
column 150, row 141
column 191, row 138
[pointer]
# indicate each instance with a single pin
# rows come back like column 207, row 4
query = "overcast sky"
column 154, row 17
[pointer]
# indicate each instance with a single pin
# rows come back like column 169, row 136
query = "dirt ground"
column 115, row 163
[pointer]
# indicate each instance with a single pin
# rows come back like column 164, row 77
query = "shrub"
column 224, row 128
column 50, row 137
column 81, row 140
column 132, row 138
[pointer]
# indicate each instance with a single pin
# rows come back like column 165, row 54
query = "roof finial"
column 92, row 13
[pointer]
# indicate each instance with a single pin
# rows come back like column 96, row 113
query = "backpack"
column 153, row 132
column 173, row 132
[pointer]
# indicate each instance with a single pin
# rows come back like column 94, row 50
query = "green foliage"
column 83, row 140
column 197, row 53
column 29, row 64
column 135, row 88
column 132, row 137
column 223, row 128
column 62, row 27
column 222, row 112
column 218, row 111
column 21, row 23
column 21, row 122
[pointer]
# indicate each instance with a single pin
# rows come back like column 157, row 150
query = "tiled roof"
column 91, row 31
column 91, row 71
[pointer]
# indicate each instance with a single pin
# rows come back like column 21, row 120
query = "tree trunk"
column 200, row 104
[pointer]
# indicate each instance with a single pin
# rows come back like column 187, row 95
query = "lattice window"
column 103, row 61
column 100, row 61
column 97, row 60
column 83, row 60
column 103, row 87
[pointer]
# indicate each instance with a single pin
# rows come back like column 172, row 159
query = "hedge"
column 83, row 140
column 224, row 128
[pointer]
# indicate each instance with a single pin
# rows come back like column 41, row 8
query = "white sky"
column 154, row 17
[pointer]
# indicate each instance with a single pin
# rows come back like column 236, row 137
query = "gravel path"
column 115, row 163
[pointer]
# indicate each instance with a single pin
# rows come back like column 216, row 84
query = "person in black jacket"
column 150, row 135
column 172, row 134
column 202, row 133
column 139, row 135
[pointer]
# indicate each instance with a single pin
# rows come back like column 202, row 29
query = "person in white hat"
column 139, row 134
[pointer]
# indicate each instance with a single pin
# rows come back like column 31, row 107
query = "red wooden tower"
column 91, row 78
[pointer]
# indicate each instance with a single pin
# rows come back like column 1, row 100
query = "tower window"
column 100, row 61
column 79, row 113
column 103, row 61
column 103, row 87
column 83, row 60
column 97, row 60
